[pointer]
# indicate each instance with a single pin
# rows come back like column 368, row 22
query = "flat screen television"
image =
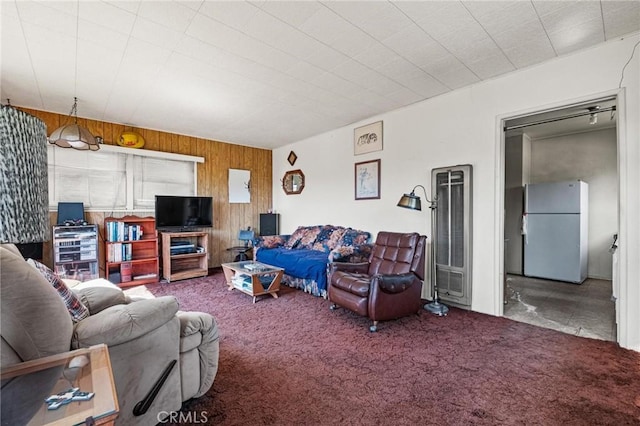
column 175, row 213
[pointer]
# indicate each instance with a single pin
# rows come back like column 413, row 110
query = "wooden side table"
column 96, row 376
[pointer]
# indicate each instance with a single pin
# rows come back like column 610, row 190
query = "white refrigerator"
column 555, row 228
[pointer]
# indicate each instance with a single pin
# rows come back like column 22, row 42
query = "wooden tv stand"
column 184, row 261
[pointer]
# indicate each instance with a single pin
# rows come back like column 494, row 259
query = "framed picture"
column 367, row 138
column 292, row 158
column 367, row 180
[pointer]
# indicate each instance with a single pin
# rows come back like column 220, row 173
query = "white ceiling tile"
column 305, row 71
column 47, row 18
column 337, row 84
column 108, row 15
column 98, row 63
column 323, row 56
column 420, row 10
column 397, row 66
column 325, row 26
column 129, row 5
column 474, row 49
column 529, row 53
column 545, row 7
column 143, row 54
column 446, row 18
column 235, row 14
column 352, row 71
column 488, row 9
column 425, row 86
column 191, row 4
column 68, row 7
column 212, row 32
column 170, row 14
column 527, row 33
column 352, row 41
column 156, row 34
column 414, row 45
column 577, row 36
column 376, row 56
column 284, row 11
column 102, row 36
column 378, row 19
column 46, row 47
column 620, row 17
column 491, row 66
column 17, row 72
column 497, row 17
column 405, row 96
column 451, row 72
column 572, row 13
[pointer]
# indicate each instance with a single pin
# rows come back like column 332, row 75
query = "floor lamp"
column 412, row 201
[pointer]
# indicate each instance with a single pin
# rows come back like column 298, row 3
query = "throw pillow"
column 75, row 307
column 295, row 238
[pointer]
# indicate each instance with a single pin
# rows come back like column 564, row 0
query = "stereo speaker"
column 31, row 250
column 269, row 224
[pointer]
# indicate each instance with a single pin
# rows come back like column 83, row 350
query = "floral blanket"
column 306, row 253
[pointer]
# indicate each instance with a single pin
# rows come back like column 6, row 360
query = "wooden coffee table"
column 253, row 278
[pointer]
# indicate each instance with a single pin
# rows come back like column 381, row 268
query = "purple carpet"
column 293, row 361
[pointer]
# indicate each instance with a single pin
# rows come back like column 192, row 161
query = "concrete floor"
column 583, row 310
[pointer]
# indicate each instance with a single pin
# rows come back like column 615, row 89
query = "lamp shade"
column 24, row 184
column 410, row 201
column 74, row 136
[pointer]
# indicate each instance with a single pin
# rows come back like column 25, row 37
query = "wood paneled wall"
column 213, row 176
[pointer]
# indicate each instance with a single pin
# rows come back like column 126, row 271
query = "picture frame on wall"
column 367, row 180
column 292, row 158
column 367, row 138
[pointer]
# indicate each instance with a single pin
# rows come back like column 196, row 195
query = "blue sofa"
column 306, row 254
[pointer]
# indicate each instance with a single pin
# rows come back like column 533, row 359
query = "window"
column 157, row 176
column 116, row 178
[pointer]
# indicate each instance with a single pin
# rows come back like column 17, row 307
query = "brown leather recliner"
column 386, row 287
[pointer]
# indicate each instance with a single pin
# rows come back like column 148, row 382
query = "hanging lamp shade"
column 73, row 135
column 410, row 201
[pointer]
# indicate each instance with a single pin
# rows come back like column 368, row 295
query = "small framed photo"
column 292, row 158
column 367, row 138
column 367, row 180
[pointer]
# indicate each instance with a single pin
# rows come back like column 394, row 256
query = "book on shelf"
column 122, row 231
column 120, row 252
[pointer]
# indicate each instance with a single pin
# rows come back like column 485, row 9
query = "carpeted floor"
column 292, row 361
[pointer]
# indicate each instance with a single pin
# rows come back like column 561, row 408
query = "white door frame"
column 622, row 304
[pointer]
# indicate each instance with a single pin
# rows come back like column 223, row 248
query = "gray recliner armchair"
column 144, row 338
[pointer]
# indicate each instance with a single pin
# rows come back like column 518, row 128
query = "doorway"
column 572, row 143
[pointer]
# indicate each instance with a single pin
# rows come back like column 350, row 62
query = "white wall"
column 590, row 157
column 463, row 127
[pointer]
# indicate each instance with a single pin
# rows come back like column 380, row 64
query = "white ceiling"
column 268, row 73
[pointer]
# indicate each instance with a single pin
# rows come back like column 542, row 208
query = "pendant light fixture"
column 74, row 135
